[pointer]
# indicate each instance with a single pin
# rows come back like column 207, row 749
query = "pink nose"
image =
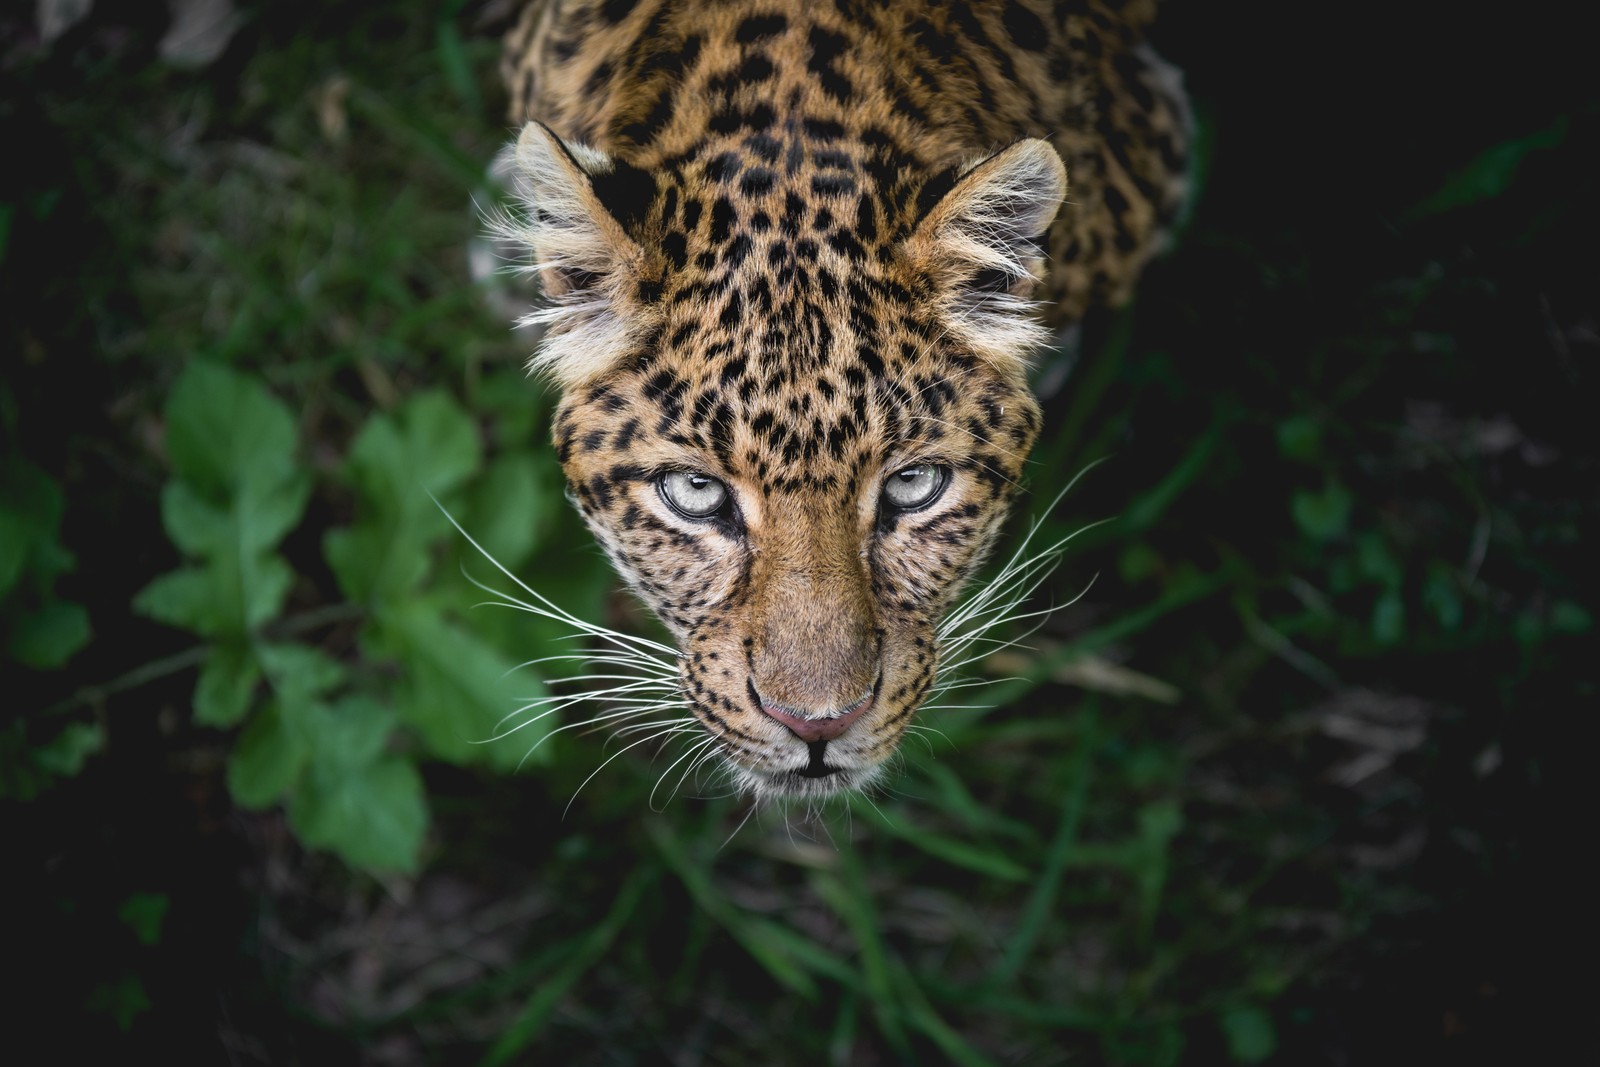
column 811, row 730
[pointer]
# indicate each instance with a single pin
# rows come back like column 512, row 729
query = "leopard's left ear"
column 980, row 247
column 576, row 208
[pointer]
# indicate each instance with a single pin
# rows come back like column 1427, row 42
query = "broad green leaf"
column 1389, row 619
column 123, row 1000
column 299, row 671
column 264, row 584
column 30, row 518
column 1377, row 561
column 188, row 598
column 1325, row 515
column 374, row 816
column 428, row 446
column 16, row 538
column 509, row 508
column 225, row 431
column 65, row 755
column 47, row 638
column 227, row 682
column 266, row 760
column 1249, row 1033
column 380, row 562
column 256, row 519
column 1300, row 438
column 458, row 691
column 143, row 913
column 1569, row 617
column 231, row 597
column 346, row 735
column 195, row 525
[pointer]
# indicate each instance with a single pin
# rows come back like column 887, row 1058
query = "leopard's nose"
column 811, row 727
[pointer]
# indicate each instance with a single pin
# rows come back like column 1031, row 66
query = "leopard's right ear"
column 574, row 209
column 981, row 245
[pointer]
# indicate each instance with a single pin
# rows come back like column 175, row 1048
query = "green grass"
column 1275, row 789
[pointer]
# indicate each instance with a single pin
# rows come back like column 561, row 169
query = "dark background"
column 1296, row 781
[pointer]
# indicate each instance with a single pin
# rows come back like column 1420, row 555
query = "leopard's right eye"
column 693, row 495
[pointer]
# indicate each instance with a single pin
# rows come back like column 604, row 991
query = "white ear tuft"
column 980, row 245
column 589, row 268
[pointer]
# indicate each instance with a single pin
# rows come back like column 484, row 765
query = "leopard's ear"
column 980, row 244
column 574, row 209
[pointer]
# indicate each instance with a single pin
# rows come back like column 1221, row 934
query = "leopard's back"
column 934, row 84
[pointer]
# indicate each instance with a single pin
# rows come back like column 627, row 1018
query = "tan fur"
column 796, row 247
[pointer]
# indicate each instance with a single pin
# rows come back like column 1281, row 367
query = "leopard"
column 795, row 260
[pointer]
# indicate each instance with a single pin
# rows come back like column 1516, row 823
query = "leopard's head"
column 793, row 409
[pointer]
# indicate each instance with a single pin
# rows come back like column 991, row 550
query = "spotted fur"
column 797, row 247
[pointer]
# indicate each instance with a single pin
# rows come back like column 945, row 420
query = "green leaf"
column 227, row 682
column 30, row 519
column 1323, row 516
column 347, row 735
column 16, row 538
column 229, row 598
column 1300, row 438
column 1441, row 593
column 1389, row 619
column 1569, row 617
column 48, row 637
column 226, row 431
column 300, row 672
column 123, row 1000
column 510, row 509
column 143, row 913
column 1376, row 561
column 377, row 563
column 374, row 817
column 1491, row 173
column 259, row 517
column 1249, row 1032
column 458, row 690
column 187, row 598
column 266, row 760
column 65, row 755
column 428, row 446
column 237, row 491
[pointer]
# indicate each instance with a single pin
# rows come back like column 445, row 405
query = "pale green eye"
column 915, row 486
column 695, row 496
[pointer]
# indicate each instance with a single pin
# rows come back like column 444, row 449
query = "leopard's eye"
column 692, row 495
column 916, row 486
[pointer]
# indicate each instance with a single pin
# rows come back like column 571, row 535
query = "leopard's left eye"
column 915, row 486
column 693, row 495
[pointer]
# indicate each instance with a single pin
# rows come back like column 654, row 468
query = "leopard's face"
column 800, row 530
column 795, row 425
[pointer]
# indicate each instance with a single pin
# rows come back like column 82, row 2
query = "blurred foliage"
column 1283, row 784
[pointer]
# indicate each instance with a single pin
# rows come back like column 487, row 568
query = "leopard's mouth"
column 817, row 767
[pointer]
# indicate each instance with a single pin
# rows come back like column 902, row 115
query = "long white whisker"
column 691, row 751
column 607, row 762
